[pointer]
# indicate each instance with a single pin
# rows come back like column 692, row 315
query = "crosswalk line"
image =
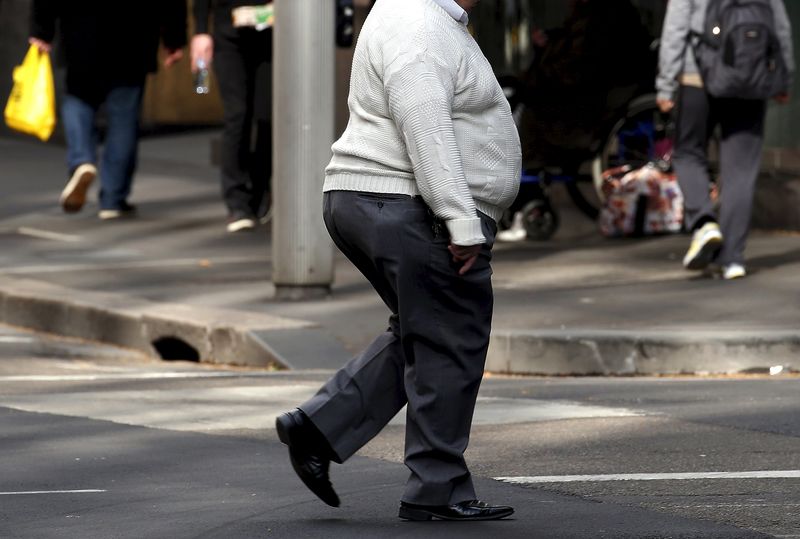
column 763, row 474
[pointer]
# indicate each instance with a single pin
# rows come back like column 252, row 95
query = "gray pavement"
column 577, row 304
column 100, row 442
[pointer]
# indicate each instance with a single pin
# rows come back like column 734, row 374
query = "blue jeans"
column 119, row 156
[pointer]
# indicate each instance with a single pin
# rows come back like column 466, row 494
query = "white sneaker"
column 241, row 223
column 516, row 232
column 706, row 241
column 124, row 211
column 73, row 197
column 733, row 271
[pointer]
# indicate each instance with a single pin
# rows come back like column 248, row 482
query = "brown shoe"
column 73, row 197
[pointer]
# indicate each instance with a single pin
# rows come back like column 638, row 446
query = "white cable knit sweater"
column 427, row 117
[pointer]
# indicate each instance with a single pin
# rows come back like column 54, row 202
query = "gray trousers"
column 741, row 124
column 433, row 353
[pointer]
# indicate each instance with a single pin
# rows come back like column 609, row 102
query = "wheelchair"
column 633, row 132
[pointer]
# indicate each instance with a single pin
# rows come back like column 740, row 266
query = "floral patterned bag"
column 641, row 202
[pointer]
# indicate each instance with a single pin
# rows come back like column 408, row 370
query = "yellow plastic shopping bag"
column 31, row 108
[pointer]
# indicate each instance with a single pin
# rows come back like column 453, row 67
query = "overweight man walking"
column 429, row 161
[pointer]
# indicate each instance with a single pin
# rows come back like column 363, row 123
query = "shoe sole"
column 421, row 515
column 734, row 276
column 73, row 197
column 109, row 215
column 240, row 225
column 704, row 255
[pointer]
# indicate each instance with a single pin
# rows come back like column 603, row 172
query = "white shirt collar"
column 454, row 10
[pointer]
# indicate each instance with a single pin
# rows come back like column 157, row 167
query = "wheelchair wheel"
column 540, row 221
column 642, row 135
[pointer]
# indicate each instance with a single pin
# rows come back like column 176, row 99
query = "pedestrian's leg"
column 695, row 122
column 691, row 155
column 231, row 69
column 446, row 336
column 121, row 147
column 365, row 394
column 440, row 333
column 261, row 171
column 78, row 118
column 361, row 398
column 742, row 125
column 261, row 157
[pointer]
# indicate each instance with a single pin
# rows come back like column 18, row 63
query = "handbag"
column 641, row 202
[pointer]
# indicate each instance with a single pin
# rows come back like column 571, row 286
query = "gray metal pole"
column 303, row 128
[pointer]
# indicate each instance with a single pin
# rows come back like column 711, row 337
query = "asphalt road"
column 98, row 442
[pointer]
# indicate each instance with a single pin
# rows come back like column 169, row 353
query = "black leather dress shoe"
column 309, row 453
column 469, row 510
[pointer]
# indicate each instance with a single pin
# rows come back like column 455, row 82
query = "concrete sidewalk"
column 172, row 282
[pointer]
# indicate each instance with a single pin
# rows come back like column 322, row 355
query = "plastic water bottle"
column 201, row 78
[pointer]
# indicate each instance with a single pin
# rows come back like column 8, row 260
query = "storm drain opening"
column 175, row 349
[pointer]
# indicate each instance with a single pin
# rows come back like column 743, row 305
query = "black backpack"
column 738, row 53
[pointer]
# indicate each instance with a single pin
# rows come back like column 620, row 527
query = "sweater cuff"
column 465, row 231
column 665, row 94
column 201, row 26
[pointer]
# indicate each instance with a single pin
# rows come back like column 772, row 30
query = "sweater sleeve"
column 43, row 19
column 201, row 13
column 420, row 91
column 674, row 40
column 173, row 32
column 784, row 30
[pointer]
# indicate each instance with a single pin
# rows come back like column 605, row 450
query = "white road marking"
column 499, row 411
column 764, row 474
column 180, row 409
column 724, row 505
column 249, row 406
column 122, row 376
column 48, row 235
column 29, row 492
column 11, row 339
column 130, row 264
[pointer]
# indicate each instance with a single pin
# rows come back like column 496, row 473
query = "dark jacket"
column 104, row 42
column 221, row 9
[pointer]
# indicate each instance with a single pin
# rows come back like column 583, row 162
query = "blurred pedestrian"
column 241, row 53
column 429, row 161
column 681, row 85
column 108, row 48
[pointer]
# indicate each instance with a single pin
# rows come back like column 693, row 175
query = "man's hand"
column 202, row 48
column 467, row 254
column 41, row 45
column 782, row 98
column 539, row 37
column 173, row 57
column 665, row 105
